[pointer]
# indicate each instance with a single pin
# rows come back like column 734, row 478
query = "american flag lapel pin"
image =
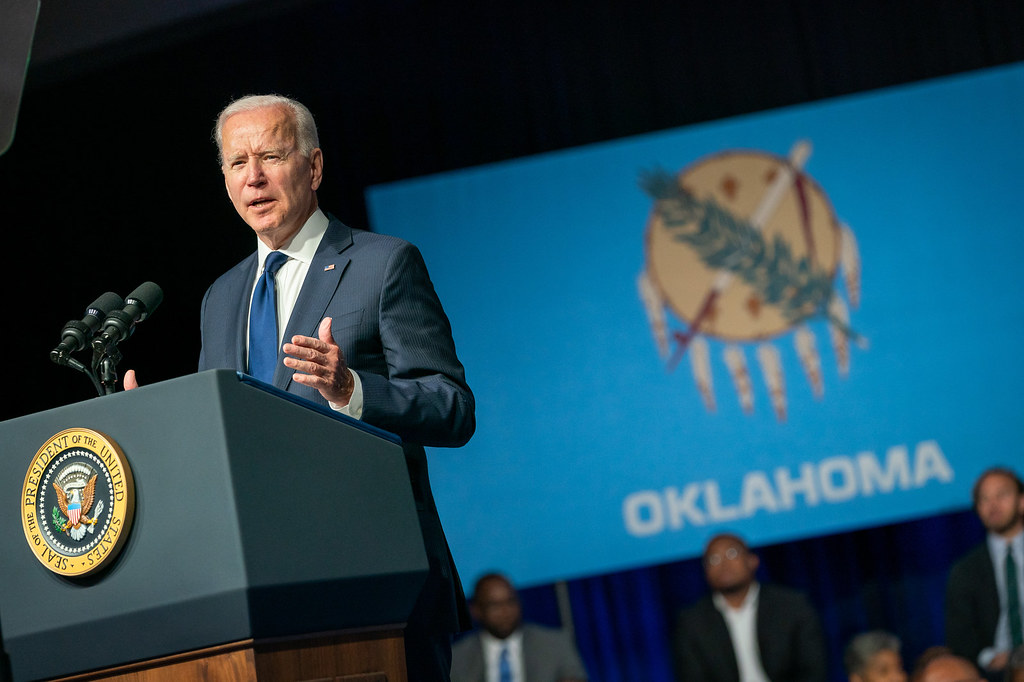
column 328, row 267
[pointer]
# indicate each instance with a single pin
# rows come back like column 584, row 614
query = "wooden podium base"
column 376, row 656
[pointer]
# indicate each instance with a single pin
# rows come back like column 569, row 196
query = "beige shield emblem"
column 743, row 247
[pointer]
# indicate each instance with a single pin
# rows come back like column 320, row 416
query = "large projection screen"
column 785, row 324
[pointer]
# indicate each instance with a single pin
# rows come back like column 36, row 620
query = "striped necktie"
column 263, row 321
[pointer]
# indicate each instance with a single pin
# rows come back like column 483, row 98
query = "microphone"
column 119, row 324
column 76, row 333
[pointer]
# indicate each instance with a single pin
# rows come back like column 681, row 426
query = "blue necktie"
column 263, row 321
column 504, row 667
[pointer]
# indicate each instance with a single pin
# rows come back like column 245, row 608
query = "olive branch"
column 797, row 288
column 58, row 519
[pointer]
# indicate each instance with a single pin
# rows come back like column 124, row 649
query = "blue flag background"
column 592, row 456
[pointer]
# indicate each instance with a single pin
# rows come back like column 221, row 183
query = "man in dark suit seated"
column 508, row 650
column 745, row 631
column 346, row 318
column 985, row 590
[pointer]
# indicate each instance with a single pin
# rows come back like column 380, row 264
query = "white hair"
column 305, row 128
column 866, row 646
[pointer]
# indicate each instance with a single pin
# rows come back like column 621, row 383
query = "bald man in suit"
column 507, row 649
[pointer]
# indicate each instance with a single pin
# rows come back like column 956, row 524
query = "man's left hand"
column 320, row 364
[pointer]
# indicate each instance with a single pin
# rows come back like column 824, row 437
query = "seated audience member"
column 745, row 631
column 949, row 668
column 985, row 590
column 508, row 650
column 874, row 657
column 925, row 658
column 1015, row 666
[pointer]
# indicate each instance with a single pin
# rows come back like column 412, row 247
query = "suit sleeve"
column 468, row 660
column 570, row 666
column 685, row 657
column 961, row 625
column 424, row 398
column 809, row 643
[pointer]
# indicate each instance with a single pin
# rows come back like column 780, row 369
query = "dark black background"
column 112, row 178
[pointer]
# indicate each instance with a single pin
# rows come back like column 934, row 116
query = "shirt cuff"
column 985, row 657
column 354, row 408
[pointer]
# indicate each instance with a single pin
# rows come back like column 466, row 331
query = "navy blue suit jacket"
column 389, row 323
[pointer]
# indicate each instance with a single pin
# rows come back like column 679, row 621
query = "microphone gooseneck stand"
column 118, row 323
column 104, row 365
column 65, row 360
column 103, row 369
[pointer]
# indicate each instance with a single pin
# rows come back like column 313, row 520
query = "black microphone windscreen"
column 148, row 295
column 105, row 304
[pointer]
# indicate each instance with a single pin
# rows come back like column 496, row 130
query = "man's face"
column 496, row 606
column 272, row 186
column 885, row 666
column 999, row 505
column 728, row 565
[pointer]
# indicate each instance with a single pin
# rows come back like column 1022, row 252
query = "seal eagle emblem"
column 78, row 502
column 75, row 486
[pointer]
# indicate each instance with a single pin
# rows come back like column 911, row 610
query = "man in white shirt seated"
column 985, row 589
column 745, row 631
column 507, row 650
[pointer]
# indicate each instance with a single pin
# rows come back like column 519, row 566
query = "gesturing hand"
column 320, row 364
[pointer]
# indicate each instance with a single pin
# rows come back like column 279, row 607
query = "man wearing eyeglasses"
column 745, row 631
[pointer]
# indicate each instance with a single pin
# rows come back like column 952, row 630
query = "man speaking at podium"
column 345, row 318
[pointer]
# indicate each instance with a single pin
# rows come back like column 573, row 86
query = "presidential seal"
column 77, row 502
column 743, row 248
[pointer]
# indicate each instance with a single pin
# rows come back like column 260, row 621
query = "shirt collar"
column 303, row 245
column 997, row 544
column 749, row 601
column 513, row 641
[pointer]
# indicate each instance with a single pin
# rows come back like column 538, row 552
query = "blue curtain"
column 891, row 577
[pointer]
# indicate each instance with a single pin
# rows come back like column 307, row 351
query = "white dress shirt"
column 997, row 550
column 492, row 654
column 742, row 625
column 287, row 284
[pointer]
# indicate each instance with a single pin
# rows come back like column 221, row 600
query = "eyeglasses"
column 497, row 603
column 714, row 559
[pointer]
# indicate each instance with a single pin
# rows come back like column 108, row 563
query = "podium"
column 272, row 540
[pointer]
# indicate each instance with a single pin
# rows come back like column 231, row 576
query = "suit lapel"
column 478, row 669
column 767, row 630
column 990, row 607
column 236, row 326
column 318, row 288
column 720, row 642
